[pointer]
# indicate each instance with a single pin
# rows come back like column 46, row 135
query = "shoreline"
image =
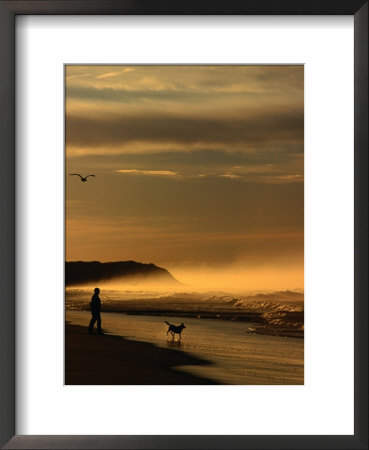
column 114, row 360
column 260, row 325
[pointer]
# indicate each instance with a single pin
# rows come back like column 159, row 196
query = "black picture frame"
column 8, row 12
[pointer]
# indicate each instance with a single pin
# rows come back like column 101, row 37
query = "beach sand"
column 113, row 360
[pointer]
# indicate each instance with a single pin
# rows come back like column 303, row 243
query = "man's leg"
column 98, row 318
column 92, row 323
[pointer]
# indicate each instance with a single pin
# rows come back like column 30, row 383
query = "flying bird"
column 81, row 177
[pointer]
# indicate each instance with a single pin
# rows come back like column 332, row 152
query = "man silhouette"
column 95, row 307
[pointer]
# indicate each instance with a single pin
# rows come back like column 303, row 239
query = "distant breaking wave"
column 283, row 308
column 275, row 301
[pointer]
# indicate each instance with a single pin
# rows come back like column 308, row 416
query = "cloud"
column 271, row 128
column 124, row 94
column 278, row 179
column 274, row 165
column 77, row 75
column 264, row 178
column 114, row 74
column 261, row 177
column 264, row 80
column 163, row 173
column 232, row 176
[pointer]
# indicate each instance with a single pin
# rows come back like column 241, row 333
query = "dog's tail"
column 166, row 322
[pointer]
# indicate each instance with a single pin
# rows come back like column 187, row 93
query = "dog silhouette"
column 173, row 329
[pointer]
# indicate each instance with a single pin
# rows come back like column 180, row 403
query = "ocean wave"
column 273, row 305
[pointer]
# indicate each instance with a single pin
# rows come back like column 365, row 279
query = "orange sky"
column 195, row 165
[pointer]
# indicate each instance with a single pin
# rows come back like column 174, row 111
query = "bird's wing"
column 91, row 176
column 76, row 174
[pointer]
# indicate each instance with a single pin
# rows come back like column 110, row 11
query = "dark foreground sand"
column 107, row 359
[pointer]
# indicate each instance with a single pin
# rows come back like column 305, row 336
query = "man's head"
column 97, row 291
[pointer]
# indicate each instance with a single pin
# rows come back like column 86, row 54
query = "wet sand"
column 113, row 360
